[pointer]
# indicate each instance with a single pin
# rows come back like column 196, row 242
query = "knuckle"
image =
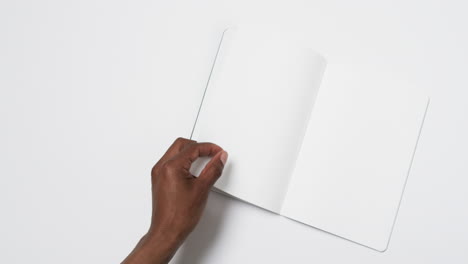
column 191, row 148
column 167, row 167
column 180, row 140
column 155, row 169
column 155, row 173
column 157, row 165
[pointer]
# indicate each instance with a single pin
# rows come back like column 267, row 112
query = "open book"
column 336, row 160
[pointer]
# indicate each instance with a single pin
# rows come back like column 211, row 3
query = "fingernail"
column 224, row 157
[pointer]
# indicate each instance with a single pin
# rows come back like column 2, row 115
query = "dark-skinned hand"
column 178, row 199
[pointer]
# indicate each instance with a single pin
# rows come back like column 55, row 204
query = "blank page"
column 354, row 162
column 256, row 107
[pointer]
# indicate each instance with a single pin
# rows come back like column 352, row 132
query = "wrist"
column 162, row 239
column 155, row 247
column 164, row 242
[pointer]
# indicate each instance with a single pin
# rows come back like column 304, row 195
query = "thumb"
column 214, row 168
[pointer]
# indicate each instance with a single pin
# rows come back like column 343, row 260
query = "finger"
column 213, row 169
column 177, row 146
column 193, row 151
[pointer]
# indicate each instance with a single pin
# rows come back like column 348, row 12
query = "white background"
column 92, row 93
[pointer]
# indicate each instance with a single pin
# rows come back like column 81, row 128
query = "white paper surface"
column 346, row 175
column 354, row 162
column 256, row 107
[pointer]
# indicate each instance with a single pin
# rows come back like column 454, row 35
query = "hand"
column 178, row 199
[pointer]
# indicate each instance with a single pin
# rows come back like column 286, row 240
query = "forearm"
column 153, row 248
